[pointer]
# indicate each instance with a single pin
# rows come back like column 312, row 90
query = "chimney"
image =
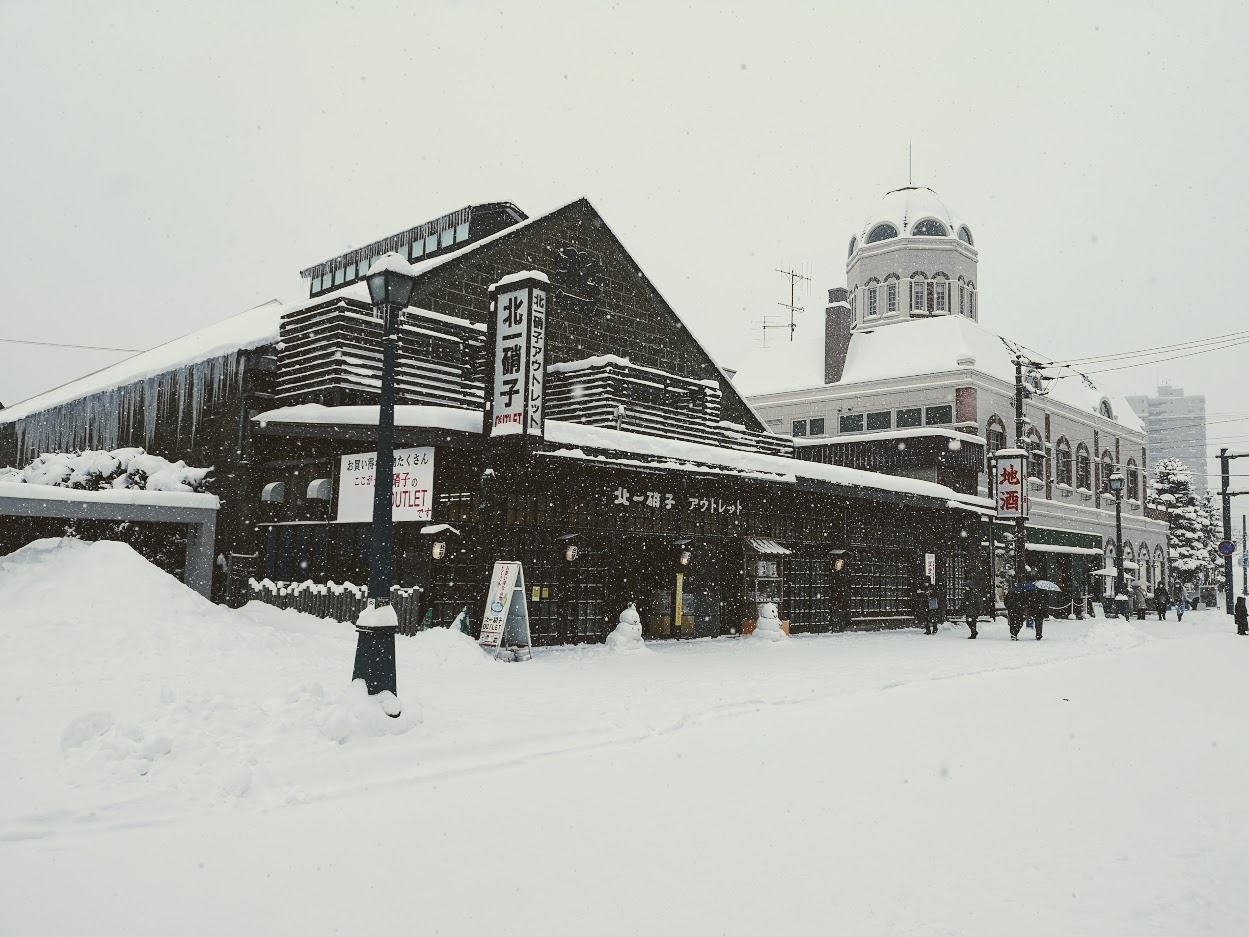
column 837, row 323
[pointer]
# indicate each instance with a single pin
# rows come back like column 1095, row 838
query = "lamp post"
column 1116, row 489
column 390, row 282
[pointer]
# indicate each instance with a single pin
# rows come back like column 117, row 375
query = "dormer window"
column 1105, row 409
column 882, row 232
column 929, row 227
column 964, row 235
column 854, row 242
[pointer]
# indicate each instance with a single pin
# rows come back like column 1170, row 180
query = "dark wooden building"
column 653, row 481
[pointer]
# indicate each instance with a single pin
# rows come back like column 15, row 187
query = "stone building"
column 905, row 350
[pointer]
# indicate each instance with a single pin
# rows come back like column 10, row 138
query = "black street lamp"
column 390, row 282
column 1116, row 488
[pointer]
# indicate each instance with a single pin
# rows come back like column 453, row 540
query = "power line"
column 1145, row 364
column 1089, row 359
column 25, row 341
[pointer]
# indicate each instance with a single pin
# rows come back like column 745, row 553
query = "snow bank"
column 1113, row 634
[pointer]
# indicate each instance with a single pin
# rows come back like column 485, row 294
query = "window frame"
column 850, row 418
column 798, row 428
column 899, row 419
column 939, row 408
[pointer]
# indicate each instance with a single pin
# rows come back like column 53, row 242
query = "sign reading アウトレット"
column 1011, row 483
column 520, row 305
column 413, row 495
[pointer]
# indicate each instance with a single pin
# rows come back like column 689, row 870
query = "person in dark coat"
column 1241, row 616
column 934, row 609
column 971, row 608
column 1162, row 600
column 1040, row 609
column 1016, row 610
column 1178, row 597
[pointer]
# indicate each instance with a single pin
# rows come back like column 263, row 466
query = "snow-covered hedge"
column 95, row 469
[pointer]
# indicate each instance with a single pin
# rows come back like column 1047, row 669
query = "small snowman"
column 627, row 635
column 768, row 624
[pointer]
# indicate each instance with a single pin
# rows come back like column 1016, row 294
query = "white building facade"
column 904, row 348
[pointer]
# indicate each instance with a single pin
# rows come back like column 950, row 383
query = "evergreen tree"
column 1188, row 545
column 1213, row 529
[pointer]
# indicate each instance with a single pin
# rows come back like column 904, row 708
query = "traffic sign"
column 1244, row 560
column 1227, row 547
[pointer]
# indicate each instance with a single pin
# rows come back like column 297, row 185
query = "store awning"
column 767, row 547
column 1053, row 548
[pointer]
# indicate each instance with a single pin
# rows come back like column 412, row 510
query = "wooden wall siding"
column 332, row 354
column 602, row 301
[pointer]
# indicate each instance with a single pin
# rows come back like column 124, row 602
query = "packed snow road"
column 177, row 767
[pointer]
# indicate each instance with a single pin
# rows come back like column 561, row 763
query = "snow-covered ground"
column 170, row 766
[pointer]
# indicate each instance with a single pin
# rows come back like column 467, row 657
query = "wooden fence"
column 340, row 602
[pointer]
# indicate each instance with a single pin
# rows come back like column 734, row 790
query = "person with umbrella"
column 1018, row 604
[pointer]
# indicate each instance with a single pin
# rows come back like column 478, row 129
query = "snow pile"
column 1113, row 634
column 353, row 715
column 627, row 635
column 97, row 469
column 768, row 624
column 446, row 649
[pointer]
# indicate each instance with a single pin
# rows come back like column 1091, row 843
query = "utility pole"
column 1225, row 471
column 1244, row 567
column 1021, row 522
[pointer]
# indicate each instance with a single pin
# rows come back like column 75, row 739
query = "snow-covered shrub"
column 1192, row 555
column 96, row 469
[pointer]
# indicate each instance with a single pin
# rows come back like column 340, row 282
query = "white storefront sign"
column 930, row 566
column 413, row 495
column 519, row 358
column 1011, row 483
column 505, row 621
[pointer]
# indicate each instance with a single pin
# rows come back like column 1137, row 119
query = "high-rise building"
column 1175, row 424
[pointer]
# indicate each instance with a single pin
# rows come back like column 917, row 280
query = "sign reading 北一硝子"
column 412, row 498
column 520, row 307
column 1011, row 483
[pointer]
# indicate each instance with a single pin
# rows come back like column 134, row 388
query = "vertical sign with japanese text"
column 520, row 306
column 1010, row 483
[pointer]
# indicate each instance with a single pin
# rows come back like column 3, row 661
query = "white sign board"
column 505, row 621
column 519, row 360
column 413, row 495
column 930, row 566
column 1012, row 483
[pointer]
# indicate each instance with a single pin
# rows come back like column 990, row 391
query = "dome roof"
column 913, row 211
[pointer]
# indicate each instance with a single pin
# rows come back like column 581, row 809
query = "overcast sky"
column 165, row 167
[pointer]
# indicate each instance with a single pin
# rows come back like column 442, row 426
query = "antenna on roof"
column 800, row 275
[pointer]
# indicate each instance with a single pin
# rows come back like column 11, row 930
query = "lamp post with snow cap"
column 1116, row 488
column 390, row 282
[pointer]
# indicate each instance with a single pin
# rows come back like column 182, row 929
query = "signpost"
column 519, row 326
column 505, row 622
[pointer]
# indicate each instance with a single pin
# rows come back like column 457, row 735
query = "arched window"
column 971, row 301
column 1132, row 483
column 1145, row 559
column 1084, row 468
column 854, row 242
column 919, row 283
column 1106, row 410
column 882, row 232
column 1160, row 561
column 964, row 235
column 938, row 293
column 1036, row 454
column 1062, row 458
column 891, row 293
column 1108, row 469
column 929, row 227
column 1129, row 556
column 873, row 299
column 994, row 434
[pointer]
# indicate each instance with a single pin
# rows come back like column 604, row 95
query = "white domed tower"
column 913, row 258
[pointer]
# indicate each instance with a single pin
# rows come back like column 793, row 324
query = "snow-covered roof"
column 250, row 329
column 903, row 207
column 134, row 496
column 953, row 343
column 465, row 421
column 909, row 433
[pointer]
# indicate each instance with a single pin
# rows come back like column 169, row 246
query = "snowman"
column 627, row 635
column 768, row 624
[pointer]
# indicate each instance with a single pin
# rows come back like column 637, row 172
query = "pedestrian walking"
column 934, row 608
column 971, row 605
column 1139, row 601
column 1242, row 616
column 1040, row 610
column 1181, row 602
column 1162, row 601
column 1016, row 610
